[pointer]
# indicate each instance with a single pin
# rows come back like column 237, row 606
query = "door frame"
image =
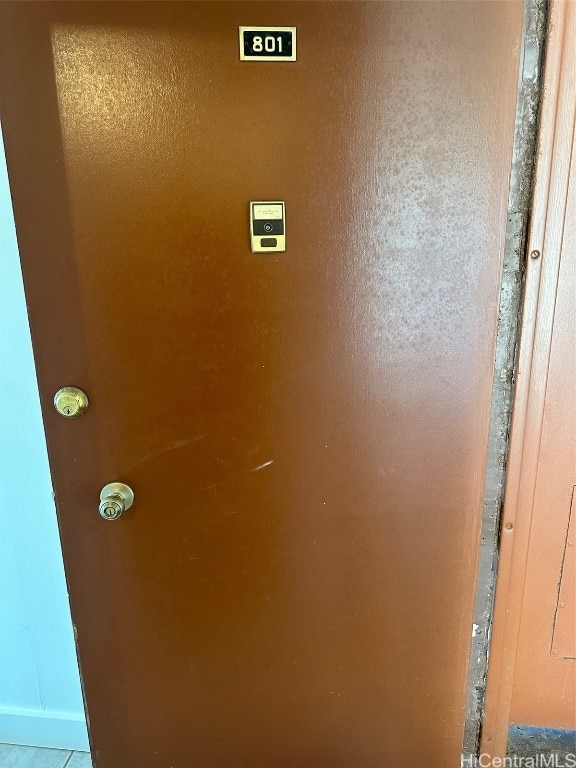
column 528, row 110
column 542, row 271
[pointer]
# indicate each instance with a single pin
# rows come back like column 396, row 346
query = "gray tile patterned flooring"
column 13, row 756
column 80, row 760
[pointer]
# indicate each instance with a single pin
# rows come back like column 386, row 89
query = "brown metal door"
column 305, row 432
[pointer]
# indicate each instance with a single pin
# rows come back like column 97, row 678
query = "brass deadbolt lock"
column 71, row 402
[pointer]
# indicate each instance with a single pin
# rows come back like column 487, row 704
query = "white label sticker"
column 267, row 211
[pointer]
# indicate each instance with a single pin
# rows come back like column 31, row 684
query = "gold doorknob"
column 115, row 498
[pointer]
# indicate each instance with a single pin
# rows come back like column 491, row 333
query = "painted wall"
column 40, row 697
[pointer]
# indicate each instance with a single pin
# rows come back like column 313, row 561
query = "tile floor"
column 12, row 756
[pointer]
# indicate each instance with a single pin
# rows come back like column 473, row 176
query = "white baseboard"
column 39, row 728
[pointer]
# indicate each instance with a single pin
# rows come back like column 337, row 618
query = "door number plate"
column 268, row 43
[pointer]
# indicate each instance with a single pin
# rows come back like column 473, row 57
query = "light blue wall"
column 40, row 698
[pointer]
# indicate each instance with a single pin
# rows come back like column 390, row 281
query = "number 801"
column 268, row 43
